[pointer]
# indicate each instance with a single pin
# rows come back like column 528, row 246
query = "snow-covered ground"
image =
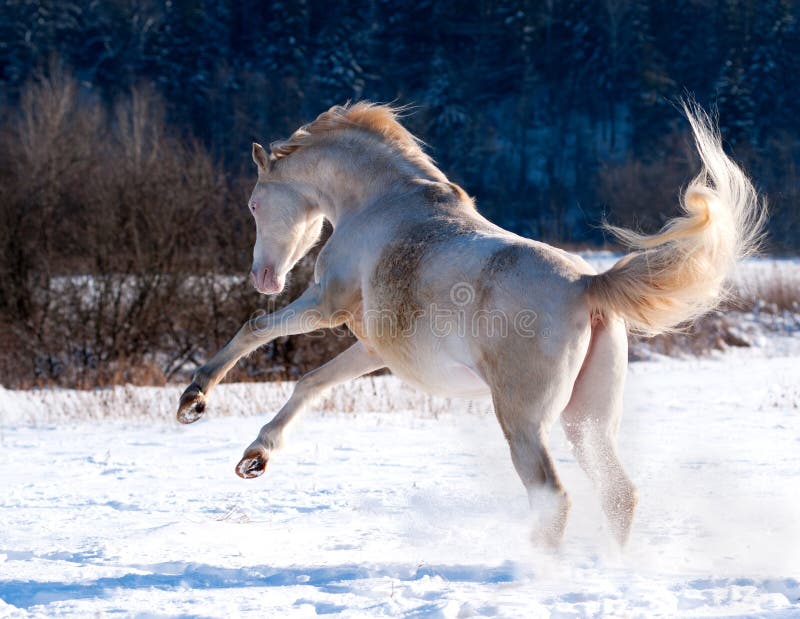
column 399, row 504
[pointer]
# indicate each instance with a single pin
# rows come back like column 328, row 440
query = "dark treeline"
column 552, row 113
column 125, row 130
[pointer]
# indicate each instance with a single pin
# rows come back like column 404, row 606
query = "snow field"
column 404, row 506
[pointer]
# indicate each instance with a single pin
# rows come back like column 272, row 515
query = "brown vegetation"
column 772, row 301
column 118, row 238
column 115, row 235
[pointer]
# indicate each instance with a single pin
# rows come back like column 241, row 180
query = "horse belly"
column 439, row 368
column 455, row 381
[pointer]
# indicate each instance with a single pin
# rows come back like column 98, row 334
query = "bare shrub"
column 117, row 238
column 709, row 333
column 765, row 298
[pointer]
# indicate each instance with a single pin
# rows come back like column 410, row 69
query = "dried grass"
column 767, row 301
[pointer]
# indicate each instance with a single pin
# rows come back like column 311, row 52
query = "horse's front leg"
column 307, row 313
column 352, row 363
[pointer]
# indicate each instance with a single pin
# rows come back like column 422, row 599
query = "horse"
column 457, row 306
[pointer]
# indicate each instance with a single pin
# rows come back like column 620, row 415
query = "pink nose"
column 265, row 280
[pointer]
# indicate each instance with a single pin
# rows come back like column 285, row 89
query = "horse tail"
column 679, row 273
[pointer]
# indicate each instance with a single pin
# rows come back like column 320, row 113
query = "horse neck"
column 345, row 179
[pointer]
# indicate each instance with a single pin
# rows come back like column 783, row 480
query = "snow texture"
column 389, row 503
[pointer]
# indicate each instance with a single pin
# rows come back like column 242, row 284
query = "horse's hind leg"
column 591, row 422
column 527, row 399
column 526, row 438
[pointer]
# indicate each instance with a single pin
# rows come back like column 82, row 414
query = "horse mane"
column 380, row 120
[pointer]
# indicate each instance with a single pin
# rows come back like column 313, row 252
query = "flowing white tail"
column 678, row 274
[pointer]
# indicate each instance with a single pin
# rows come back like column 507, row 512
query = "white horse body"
column 457, row 306
column 445, row 345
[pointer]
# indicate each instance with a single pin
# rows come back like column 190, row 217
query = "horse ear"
column 260, row 157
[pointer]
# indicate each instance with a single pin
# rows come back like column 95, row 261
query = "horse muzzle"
column 266, row 281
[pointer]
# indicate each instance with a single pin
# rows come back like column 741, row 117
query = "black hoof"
column 252, row 465
column 192, row 405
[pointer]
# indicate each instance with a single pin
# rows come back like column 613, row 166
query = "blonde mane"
column 380, row 120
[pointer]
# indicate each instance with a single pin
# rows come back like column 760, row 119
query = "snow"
column 750, row 276
column 386, row 502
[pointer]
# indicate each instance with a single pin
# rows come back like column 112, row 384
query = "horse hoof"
column 192, row 405
column 253, row 464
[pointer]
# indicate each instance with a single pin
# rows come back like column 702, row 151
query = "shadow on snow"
column 186, row 576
